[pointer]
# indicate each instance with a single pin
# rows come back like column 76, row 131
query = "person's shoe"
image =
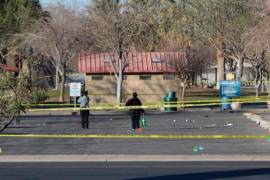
column 139, row 130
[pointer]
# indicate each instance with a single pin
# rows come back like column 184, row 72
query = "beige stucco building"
column 147, row 73
column 151, row 90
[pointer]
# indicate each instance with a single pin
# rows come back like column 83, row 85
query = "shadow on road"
column 213, row 175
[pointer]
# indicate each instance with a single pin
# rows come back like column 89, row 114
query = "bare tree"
column 257, row 50
column 115, row 26
column 59, row 38
column 187, row 64
column 201, row 58
column 222, row 23
column 259, row 63
column 182, row 70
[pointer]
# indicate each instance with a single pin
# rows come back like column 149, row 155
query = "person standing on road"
column 84, row 103
column 135, row 113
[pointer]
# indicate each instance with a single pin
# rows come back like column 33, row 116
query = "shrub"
column 38, row 96
column 14, row 97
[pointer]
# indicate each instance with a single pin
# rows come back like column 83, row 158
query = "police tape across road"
column 149, row 106
column 135, row 136
column 93, row 107
column 243, row 99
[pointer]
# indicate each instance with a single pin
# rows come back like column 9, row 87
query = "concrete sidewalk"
column 131, row 158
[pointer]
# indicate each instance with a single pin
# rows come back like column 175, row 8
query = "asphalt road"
column 148, row 171
column 192, row 122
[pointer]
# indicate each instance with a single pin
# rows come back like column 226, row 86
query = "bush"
column 38, row 96
column 14, row 97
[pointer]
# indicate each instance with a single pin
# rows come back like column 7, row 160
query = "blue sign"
column 230, row 88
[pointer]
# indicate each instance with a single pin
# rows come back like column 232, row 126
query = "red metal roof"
column 8, row 68
column 137, row 62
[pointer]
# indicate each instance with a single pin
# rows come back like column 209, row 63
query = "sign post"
column 229, row 89
column 75, row 91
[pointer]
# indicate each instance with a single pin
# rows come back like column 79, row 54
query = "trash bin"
column 170, row 99
column 172, row 94
column 225, row 103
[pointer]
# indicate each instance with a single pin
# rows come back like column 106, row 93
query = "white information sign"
column 75, row 89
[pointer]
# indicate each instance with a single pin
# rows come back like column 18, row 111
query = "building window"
column 97, row 78
column 145, row 77
column 168, row 77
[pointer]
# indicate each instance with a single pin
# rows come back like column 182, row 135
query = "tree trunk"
column 196, row 79
column 192, row 79
column 258, row 82
column 30, row 74
column 268, row 85
column 262, row 84
column 220, row 67
column 261, row 80
column 62, row 90
column 37, row 78
column 57, row 75
column 120, row 79
column 201, row 80
column 240, row 68
column 57, row 79
column 183, row 92
column 257, row 90
column 119, row 87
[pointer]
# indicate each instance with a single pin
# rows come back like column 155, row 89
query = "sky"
column 77, row 3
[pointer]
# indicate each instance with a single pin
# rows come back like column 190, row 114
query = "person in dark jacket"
column 135, row 113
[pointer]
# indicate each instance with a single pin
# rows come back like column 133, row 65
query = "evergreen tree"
column 15, row 17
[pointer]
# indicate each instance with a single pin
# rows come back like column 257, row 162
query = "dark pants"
column 85, row 118
column 135, row 118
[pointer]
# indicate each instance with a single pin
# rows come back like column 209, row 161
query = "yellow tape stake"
column 127, row 136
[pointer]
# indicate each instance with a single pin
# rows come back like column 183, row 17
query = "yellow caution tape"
column 154, row 106
column 253, row 81
column 241, row 99
column 135, row 136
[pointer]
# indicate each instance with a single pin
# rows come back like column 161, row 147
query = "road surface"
column 129, row 170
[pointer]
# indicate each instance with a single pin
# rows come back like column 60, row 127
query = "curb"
column 259, row 120
column 130, row 158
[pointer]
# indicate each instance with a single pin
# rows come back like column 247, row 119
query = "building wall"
column 209, row 76
column 104, row 91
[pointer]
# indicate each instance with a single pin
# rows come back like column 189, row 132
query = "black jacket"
column 135, row 102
